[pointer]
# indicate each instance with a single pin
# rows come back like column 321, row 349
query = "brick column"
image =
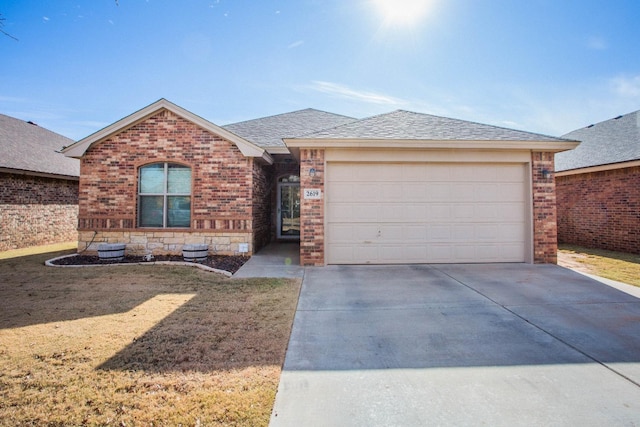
column 545, row 225
column 311, row 211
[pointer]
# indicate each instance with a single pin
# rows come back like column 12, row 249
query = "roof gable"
column 29, row 148
column 612, row 141
column 247, row 148
column 268, row 132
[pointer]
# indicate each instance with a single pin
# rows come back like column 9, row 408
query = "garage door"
column 384, row 213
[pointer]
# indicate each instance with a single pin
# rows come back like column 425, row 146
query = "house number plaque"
column 312, row 194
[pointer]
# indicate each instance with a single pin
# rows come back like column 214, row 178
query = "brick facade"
column 36, row 210
column 545, row 225
column 226, row 188
column 600, row 209
column 261, row 200
column 312, row 211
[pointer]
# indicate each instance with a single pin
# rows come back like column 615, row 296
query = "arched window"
column 164, row 196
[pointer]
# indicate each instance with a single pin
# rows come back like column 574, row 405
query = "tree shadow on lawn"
column 32, row 293
column 222, row 325
column 204, row 335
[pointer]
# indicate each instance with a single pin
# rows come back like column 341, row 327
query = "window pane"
column 151, row 211
column 178, row 211
column 152, row 179
column 179, row 179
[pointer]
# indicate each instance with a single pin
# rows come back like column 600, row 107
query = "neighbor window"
column 164, row 198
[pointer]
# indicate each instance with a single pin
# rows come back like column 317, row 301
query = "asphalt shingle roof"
column 408, row 125
column 28, row 147
column 612, row 141
column 269, row 131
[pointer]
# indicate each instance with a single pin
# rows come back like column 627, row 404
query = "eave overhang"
column 295, row 144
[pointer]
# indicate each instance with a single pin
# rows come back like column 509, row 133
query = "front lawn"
column 618, row 266
column 139, row 345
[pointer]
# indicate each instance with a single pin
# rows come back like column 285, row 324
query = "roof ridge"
column 284, row 114
column 618, row 117
column 486, row 124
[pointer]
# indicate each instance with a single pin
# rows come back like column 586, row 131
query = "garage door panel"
column 415, row 210
column 512, row 192
column 511, row 212
column 462, row 211
column 440, row 191
column 436, row 213
column 341, row 212
column 438, row 172
column 414, row 191
column 415, row 232
column 341, row 192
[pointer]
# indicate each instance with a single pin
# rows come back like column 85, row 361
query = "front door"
column 289, row 207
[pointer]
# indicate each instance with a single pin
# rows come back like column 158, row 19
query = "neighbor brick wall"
column 312, row 211
column 545, row 226
column 36, row 210
column 600, row 209
column 222, row 176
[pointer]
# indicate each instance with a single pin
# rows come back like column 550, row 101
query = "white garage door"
column 384, row 213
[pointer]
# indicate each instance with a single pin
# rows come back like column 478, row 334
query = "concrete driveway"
column 494, row 345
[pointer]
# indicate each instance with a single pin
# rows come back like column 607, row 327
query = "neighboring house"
column 38, row 186
column 598, row 186
column 401, row 187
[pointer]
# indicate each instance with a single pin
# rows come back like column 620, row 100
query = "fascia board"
column 278, row 150
column 548, row 146
column 39, row 174
column 599, row 168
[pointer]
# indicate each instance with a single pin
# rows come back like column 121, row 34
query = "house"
column 598, row 186
column 400, row 187
column 38, row 186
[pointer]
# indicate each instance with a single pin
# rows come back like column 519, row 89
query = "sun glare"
column 402, row 13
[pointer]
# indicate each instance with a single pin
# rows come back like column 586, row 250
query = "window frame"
column 165, row 194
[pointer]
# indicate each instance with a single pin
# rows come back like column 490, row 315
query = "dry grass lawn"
column 139, row 345
column 617, row 266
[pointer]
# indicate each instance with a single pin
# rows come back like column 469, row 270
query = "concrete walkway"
column 274, row 260
column 494, row 345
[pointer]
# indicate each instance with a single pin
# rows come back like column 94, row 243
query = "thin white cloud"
column 295, row 44
column 45, row 18
column 342, row 91
column 597, row 43
column 627, row 87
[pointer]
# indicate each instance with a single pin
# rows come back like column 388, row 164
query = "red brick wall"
column 222, row 177
column 600, row 209
column 262, row 184
column 312, row 211
column 545, row 226
column 37, row 211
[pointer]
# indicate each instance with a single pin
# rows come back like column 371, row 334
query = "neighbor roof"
column 407, row 125
column 613, row 141
column 28, row 148
column 268, row 132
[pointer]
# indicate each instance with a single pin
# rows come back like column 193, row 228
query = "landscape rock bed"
column 219, row 262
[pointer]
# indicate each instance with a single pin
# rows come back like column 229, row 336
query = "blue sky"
column 547, row 66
